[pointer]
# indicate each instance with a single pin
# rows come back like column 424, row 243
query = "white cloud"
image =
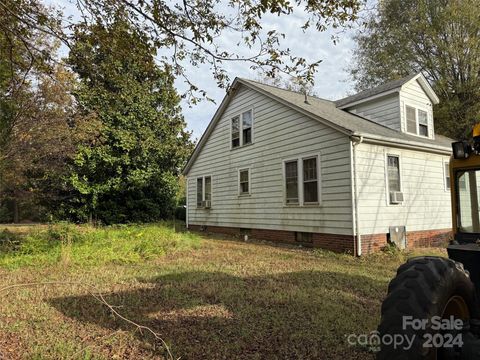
column 331, row 81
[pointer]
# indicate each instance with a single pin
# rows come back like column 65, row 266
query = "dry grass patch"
column 220, row 299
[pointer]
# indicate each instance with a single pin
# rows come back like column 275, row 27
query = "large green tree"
column 130, row 172
column 439, row 38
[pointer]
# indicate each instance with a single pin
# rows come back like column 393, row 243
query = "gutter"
column 406, row 144
column 355, row 140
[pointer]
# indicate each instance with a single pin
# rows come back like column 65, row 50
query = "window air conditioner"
column 396, row 197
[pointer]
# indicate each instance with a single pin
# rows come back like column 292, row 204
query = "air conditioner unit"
column 207, row 204
column 396, row 197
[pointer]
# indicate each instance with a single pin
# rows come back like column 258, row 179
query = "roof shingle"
column 391, row 85
column 350, row 123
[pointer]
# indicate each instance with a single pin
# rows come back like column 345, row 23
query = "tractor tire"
column 423, row 288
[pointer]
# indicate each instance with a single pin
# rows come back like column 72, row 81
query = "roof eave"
column 381, row 140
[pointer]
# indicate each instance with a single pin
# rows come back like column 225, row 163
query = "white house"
column 348, row 175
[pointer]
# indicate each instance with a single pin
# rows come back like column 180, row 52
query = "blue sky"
column 331, row 82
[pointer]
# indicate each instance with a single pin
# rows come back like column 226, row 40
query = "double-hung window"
column 422, row 123
column 417, row 121
column 236, row 131
column 446, row 169
column 247, row 119
column 291, row 182
column 241, row 129
column 302, row 181
column 244, row 182
column 204, row 191
column 393, row 178
column 310, row 180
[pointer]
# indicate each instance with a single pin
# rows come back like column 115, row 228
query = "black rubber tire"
column 421, row 289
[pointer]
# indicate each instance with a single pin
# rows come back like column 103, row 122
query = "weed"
column 85, row 245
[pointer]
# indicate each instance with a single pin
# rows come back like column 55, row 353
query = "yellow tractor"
column 432, row 309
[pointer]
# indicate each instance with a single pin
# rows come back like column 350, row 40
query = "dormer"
column 404, row 105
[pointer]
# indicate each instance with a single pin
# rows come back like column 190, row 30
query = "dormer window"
column 242, row 129
column 422, row 122
column 417, row 121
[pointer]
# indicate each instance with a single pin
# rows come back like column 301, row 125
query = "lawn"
column 207, row 298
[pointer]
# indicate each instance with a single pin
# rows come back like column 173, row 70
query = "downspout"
column 186, row 201
column 356, row 140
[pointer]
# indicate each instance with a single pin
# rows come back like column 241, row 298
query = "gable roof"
column 326, row 112
column 386, row 89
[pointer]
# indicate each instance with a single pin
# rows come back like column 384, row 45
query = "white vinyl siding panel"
column 384, row 110
column 426, row 204
column 412, row 94
column 281, row 133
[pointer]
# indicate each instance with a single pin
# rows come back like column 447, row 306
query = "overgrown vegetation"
column 223, row 300
column 67, row 244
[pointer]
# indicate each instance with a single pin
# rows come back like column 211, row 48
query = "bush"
column 9, row 241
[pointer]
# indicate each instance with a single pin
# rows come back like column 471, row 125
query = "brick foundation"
column 373, row 242
column 428, row 238
column 415, row 239
column 335, row 242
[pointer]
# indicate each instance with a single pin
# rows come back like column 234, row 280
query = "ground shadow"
column 205, row 315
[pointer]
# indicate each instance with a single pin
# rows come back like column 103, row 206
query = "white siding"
column 279, row 133
column 426, row 201
column 413, row 95
column 384, row 110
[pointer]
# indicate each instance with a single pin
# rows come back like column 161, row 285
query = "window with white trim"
column 204, row 190
column 393, row 175
column 247, row 119
column 244, row 182
column 305, row 172
column 207, row 193
column 236, row 131
column 242, row 129
column 291, row 182
column 446, row 169
column 200, row 192
column 422, row 122
column 417, row 121
column 310, row 180
column 411, row 119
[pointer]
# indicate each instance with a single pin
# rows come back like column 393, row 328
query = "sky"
column 331, row 81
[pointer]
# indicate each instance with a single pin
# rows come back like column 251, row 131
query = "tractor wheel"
column 425, row 287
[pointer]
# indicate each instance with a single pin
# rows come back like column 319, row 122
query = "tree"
column 23, row 60
column 41, row 142
column 439, row 38
column 130, row 173
column 189, row 33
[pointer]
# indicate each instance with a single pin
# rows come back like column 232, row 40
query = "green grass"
column 87, row 246
column 209, row 298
